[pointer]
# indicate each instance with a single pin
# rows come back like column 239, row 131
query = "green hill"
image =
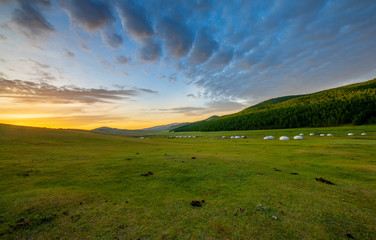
column 351, row 104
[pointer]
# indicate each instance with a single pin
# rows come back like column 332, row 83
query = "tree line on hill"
column 352, row 104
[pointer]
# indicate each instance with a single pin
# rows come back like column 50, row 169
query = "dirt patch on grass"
column 324, row 181
column 277, row 170
column 196, row 203
column 147, row 174
column 239, row 210
column 27, row 173
column 348, row 235
column 294, row 173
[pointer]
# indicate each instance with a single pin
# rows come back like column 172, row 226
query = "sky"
column 134, row 64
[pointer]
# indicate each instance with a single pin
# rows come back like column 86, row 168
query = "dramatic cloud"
column 122, row 60
column 134, row 19
column 31, row 21
column 26, row 91
column 178, row 38
column 272, row 49
column 218, row 55
column 89, row 14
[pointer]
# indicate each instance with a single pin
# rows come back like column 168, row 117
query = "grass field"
column 66, row 184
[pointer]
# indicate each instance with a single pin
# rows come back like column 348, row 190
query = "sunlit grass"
column 81, row 185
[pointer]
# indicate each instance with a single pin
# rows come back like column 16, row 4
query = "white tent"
column 350, row 134
column 237, row 136
column 284, row 138
column 329, row 135
column 311, row 134
column 232, row 136
column 298, row 137
column 302, row 134
column 364, row 134
column 269, row 138
column 322, row 135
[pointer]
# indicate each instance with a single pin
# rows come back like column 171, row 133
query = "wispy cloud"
column 122, row 60
column 91, row 15
column 113, row 40
column 31, row 21
column 68, row 53
column 2, row 37
column 134, row 19
column 212, row 107
column 27, row 91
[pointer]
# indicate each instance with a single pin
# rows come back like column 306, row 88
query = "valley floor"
column 65, row 184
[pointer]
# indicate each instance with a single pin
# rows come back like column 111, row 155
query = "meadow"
column 71, row 184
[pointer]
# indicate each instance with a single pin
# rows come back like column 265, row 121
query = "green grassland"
column 66, row 184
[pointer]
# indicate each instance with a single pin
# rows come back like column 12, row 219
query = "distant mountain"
column 160, row 128
column 164, row 127
column 351, row 104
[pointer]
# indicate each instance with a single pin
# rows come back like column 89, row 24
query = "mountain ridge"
column 354, row 103
column 159, row 128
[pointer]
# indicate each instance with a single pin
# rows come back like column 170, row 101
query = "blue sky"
column 133, row 64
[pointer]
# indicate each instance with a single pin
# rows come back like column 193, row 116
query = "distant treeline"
column 352, row 104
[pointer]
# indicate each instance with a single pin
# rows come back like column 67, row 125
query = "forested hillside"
column 354, row 104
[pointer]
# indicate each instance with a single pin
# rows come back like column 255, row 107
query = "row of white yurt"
column 283, row 138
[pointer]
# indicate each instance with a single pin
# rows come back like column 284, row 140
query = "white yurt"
column 350, row 134
column 284, row 138
column 311, row 134
column 302, row 134
column 237, row 136
column 298, row 137
column 364, row 134
column 329, row 135
column 322, row 135
column 269, row 138
column 232, row 136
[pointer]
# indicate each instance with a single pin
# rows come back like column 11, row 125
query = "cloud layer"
column 229, row 50
column 27, row 91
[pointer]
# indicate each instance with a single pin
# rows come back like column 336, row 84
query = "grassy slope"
column 328, row 99
column 84, row 185
column 274, row 101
